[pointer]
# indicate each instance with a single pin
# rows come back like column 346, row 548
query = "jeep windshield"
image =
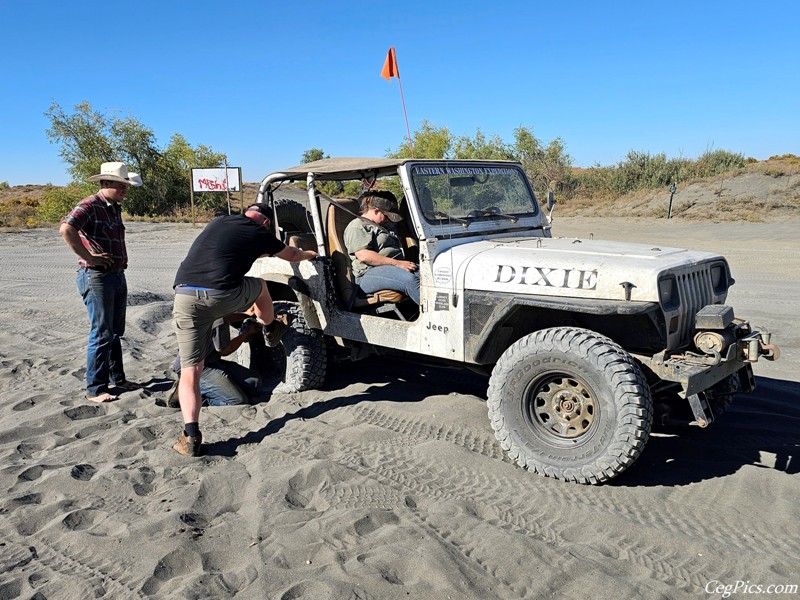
column 466, row 194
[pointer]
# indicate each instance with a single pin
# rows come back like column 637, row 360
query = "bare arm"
column 293, row 254
column 373, row 259
column 73, row 240
column 252, row 329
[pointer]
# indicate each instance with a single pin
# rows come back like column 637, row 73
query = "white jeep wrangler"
column 585, row 340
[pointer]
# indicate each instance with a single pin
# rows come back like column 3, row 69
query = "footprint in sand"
column 31, row 474
column 24, row 405
column 83, row 472
column 179, row 563
column 25, row 500
column 79, row 413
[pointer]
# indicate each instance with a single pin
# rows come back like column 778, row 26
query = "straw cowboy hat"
column 117, row 171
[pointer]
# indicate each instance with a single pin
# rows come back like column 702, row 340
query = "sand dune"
column 388, row 483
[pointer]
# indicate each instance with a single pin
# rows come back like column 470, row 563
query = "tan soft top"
column 341, row 169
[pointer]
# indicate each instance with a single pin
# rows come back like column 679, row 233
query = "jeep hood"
column 565, row 267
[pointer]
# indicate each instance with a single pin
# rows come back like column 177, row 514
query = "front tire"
column 571, row 404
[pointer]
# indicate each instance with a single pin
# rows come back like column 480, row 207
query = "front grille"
column 695, row 290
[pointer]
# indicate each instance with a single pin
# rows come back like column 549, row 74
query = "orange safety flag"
column 390, row 66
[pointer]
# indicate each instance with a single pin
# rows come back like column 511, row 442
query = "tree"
column 548, row 168
column 89, row 138
column 331, row 188
column 429, row 142
column 84, row 138
column 313, row 155
column 479, row 148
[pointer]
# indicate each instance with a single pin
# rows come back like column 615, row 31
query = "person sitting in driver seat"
column 376, row 252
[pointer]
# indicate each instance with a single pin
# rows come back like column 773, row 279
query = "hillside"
column 765, row 191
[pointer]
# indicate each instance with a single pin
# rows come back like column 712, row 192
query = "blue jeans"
column 389, row 277
column 105, row 296
column 226, row 383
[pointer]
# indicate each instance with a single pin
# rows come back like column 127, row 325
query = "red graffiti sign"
column 212, row 185
column 216, row 179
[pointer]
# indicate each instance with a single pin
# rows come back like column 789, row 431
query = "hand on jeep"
column 309, row 254
column 293, row 254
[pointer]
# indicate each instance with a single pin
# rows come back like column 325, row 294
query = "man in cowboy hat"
column 94, row 231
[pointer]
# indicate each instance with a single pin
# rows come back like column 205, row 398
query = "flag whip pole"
column 390, row 70
column 405, row 114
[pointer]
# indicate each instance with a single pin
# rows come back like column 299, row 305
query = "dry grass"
column 18, row 205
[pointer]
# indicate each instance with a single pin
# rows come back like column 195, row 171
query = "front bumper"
column 698, row 371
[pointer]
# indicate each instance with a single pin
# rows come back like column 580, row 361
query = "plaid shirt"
column 100, row 226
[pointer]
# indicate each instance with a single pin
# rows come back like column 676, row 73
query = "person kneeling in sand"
column 224, row 382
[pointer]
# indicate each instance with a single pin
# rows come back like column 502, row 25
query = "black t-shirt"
column 224, row 252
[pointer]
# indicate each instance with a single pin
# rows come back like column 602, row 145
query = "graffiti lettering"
column 212, row 184
column 578, row 279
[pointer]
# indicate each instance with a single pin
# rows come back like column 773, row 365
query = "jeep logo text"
column 441, row 328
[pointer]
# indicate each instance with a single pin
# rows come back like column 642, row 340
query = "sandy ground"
column 388, row 483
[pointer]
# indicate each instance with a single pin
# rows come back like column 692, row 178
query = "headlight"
column 668, row 292
column 719, row 278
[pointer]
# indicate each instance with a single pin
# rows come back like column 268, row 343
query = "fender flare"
column 478, row 344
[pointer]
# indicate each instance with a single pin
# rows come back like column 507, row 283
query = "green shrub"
column 58, row 201
column 717, row 162
column 643, row 171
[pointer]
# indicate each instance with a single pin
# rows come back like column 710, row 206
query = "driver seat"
column 352, row 297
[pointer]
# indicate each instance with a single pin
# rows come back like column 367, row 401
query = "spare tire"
column 293, row 217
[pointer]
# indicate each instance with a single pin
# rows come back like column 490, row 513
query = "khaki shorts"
column 193, row 317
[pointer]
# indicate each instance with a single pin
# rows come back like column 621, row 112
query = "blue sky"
column 265, row 81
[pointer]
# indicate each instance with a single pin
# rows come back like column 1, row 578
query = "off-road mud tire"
column 571, row 369
column 293, row 217
column 301, row 359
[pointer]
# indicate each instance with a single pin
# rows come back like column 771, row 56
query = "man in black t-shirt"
column 210, row 284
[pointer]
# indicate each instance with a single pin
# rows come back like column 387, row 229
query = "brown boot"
column 188, row 445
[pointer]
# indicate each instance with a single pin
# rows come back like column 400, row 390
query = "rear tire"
column 571, row 404
column 301, row 358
